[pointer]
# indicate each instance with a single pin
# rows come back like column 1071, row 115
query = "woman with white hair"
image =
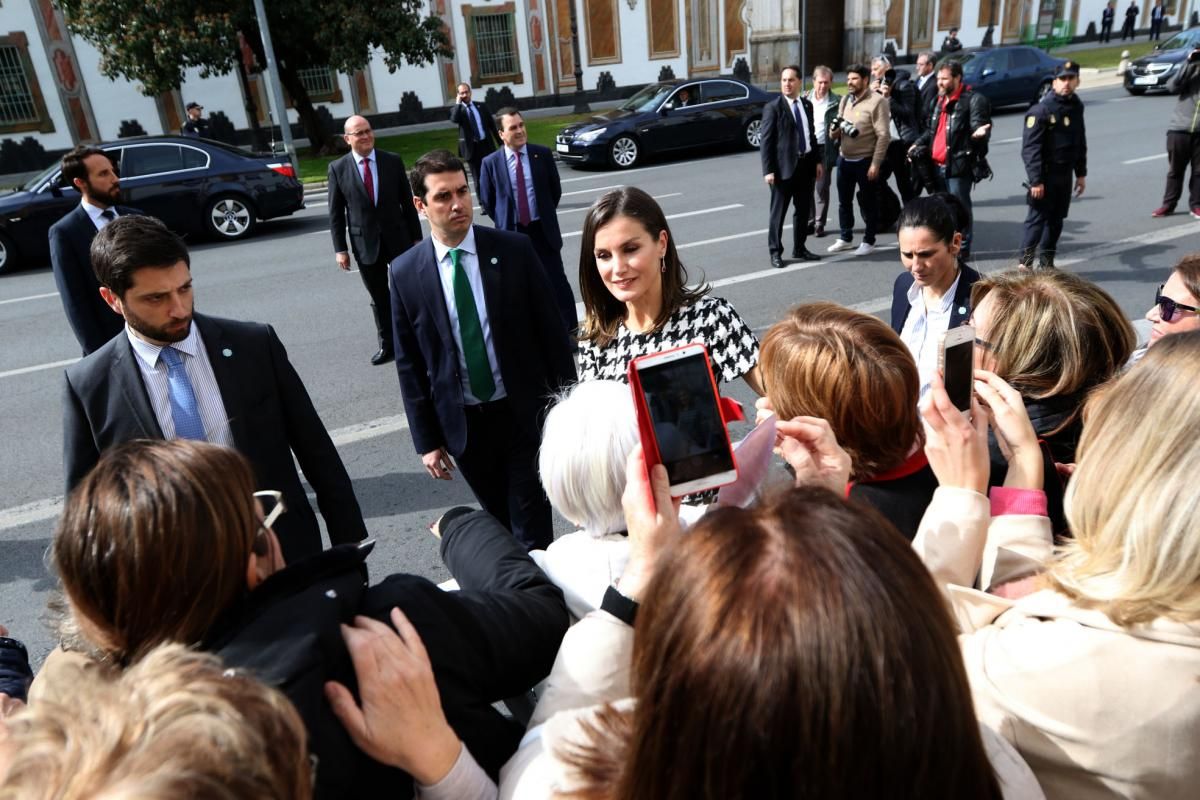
column 586, row 441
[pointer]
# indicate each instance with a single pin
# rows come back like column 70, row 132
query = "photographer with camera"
column 903, row 101
column 861, row 129
column 1183, row 138
column 956, row 140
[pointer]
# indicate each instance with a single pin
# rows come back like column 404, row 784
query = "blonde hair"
column 177, row 724
column 1053, row 333
column 1132, row 503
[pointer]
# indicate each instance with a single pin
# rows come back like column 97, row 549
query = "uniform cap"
column 190, row 106
column 1067, row 69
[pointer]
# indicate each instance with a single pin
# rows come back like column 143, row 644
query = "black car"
column 193, row 185
column 1153, row 70
column 664, row 116
column 1007, row 76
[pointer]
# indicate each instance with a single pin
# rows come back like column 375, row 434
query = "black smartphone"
column 956, row 359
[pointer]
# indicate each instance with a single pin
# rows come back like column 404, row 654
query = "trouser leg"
column 897, row 156
column 552, row 264
column 961, row 188
column 776, row 213
column 1194, row 181
column 375, row 279
column 1179, row 157
column 1035, row 224
column 846, row 183
column 799, row 189
column 820, row 206
column 870, row 203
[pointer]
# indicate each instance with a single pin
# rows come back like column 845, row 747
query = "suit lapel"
column 225, row 370
column 430, row 281
column 126, row 374
column 353, row 176
column 491, row 262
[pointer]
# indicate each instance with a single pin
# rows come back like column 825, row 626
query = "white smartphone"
column 678, row 405
column 956, row 361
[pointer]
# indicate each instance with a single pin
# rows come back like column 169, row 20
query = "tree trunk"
column 314, row 129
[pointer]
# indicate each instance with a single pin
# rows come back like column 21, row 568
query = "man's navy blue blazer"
column 497, row 198
column 528, row 335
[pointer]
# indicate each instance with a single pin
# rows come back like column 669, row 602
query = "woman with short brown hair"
column 850, row 369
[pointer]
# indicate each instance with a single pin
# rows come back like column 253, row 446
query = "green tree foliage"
column 155, row 42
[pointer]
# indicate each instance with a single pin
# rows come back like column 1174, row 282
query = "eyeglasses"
column 984, row 345
column 1167, row 307
column 272, row 506
column 359, row 134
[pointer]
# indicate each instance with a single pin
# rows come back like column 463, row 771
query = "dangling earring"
column 662, row 262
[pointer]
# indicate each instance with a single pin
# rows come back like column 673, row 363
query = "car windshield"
column 34, row 182
column 648, row 99
column 1179, row 41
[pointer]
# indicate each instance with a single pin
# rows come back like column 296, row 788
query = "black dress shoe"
column 804, row 254
column 820, row 231
column 777, row 262
column 384, row 356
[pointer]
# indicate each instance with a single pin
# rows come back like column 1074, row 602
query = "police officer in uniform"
column 1055, row 153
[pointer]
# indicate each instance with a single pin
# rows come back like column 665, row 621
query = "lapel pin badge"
column 227, row 352
column 495, row 260
column 962, row 309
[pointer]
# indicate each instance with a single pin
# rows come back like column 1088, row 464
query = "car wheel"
column 1136, row 91
column 753, row 133
column 623, row 152
column 229, row 216
column 8, row 254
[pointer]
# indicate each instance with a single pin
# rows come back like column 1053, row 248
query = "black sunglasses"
column 1167, row 307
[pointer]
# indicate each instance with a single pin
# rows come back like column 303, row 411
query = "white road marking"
column 1008, row 141
column 586, row 208
column 674, row 216
column 30, row 297
column 37, row 368
column 1145, row 158
column 593, row 189
column 609, row 175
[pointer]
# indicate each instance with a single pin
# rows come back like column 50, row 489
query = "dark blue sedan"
column 1010, row 75
column 193, row 185
column 666, row 116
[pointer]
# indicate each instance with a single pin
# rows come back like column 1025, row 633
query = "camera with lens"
column 888, row 78
column 1194, row 56
column 845, row 126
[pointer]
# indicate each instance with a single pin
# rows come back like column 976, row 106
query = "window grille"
column 318, row 81
column 495, row 45
column 16, row 99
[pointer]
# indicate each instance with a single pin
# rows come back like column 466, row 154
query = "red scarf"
column 913, row 464
column 940, row 145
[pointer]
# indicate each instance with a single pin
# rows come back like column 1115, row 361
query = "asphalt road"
column 717, row 204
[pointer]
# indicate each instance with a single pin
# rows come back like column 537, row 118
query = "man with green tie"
column 480, row 350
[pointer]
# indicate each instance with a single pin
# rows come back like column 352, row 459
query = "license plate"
column 1148, row 80
column 562, row 148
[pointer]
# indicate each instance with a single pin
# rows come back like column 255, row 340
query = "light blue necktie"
column 184, row 409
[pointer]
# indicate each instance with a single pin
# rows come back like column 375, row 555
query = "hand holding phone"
column 679, row 416
column 956, row 362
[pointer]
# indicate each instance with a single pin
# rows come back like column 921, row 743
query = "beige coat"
column 592, row 669
column 1097, row 711
column 871, row 114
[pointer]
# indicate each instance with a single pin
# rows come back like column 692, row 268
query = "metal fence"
column 16, row 99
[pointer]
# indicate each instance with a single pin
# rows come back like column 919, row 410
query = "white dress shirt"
column 820, row 109
column 374, row 167
column 468, row 259
column 94, row 213
column 510, row 158
column 199, row 372
column 923, row 329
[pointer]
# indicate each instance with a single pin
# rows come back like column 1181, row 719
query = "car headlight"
column 590, row 136
column 1158, row 66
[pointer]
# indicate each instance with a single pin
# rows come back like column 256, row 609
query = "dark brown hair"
column 797, row 649
column 851, row 370
column 154, row 543
column 1188, row 268
column 603, row 312
column 953, row 66
column 507, row 111
column 132, row 242
column 434, row 162
column 73, row 166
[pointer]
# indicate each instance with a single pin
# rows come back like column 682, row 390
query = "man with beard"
column 91, row 171
column 225, row 382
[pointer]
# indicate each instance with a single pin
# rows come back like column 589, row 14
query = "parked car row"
column 1153, row 70
column 193, row 185
column 1009, row 75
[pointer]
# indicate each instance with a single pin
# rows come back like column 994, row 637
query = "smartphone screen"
column 958, row 372
column 688, row 427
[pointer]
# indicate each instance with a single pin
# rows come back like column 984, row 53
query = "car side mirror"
column 55, row 190
column 666, row 109
column 987, row 73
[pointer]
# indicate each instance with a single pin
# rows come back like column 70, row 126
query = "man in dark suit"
column 90, row 170
column 225, row 382
column 790, row 165
column 369, row 190
column 477, row 136
column 480, row 348
column 533, row 208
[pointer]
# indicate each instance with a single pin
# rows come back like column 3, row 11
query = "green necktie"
column 479, row 369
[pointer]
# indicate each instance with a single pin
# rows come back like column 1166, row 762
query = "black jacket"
column 468, row 135
column 93, row 322
column 378, row 231
column 778, row 146
column 1054, row 139
column 495, row 638
column 967, row 113
column 905, row 103
column 927, row 95
column 960, row 312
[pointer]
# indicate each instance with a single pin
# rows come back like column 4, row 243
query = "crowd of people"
column 935, row 602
